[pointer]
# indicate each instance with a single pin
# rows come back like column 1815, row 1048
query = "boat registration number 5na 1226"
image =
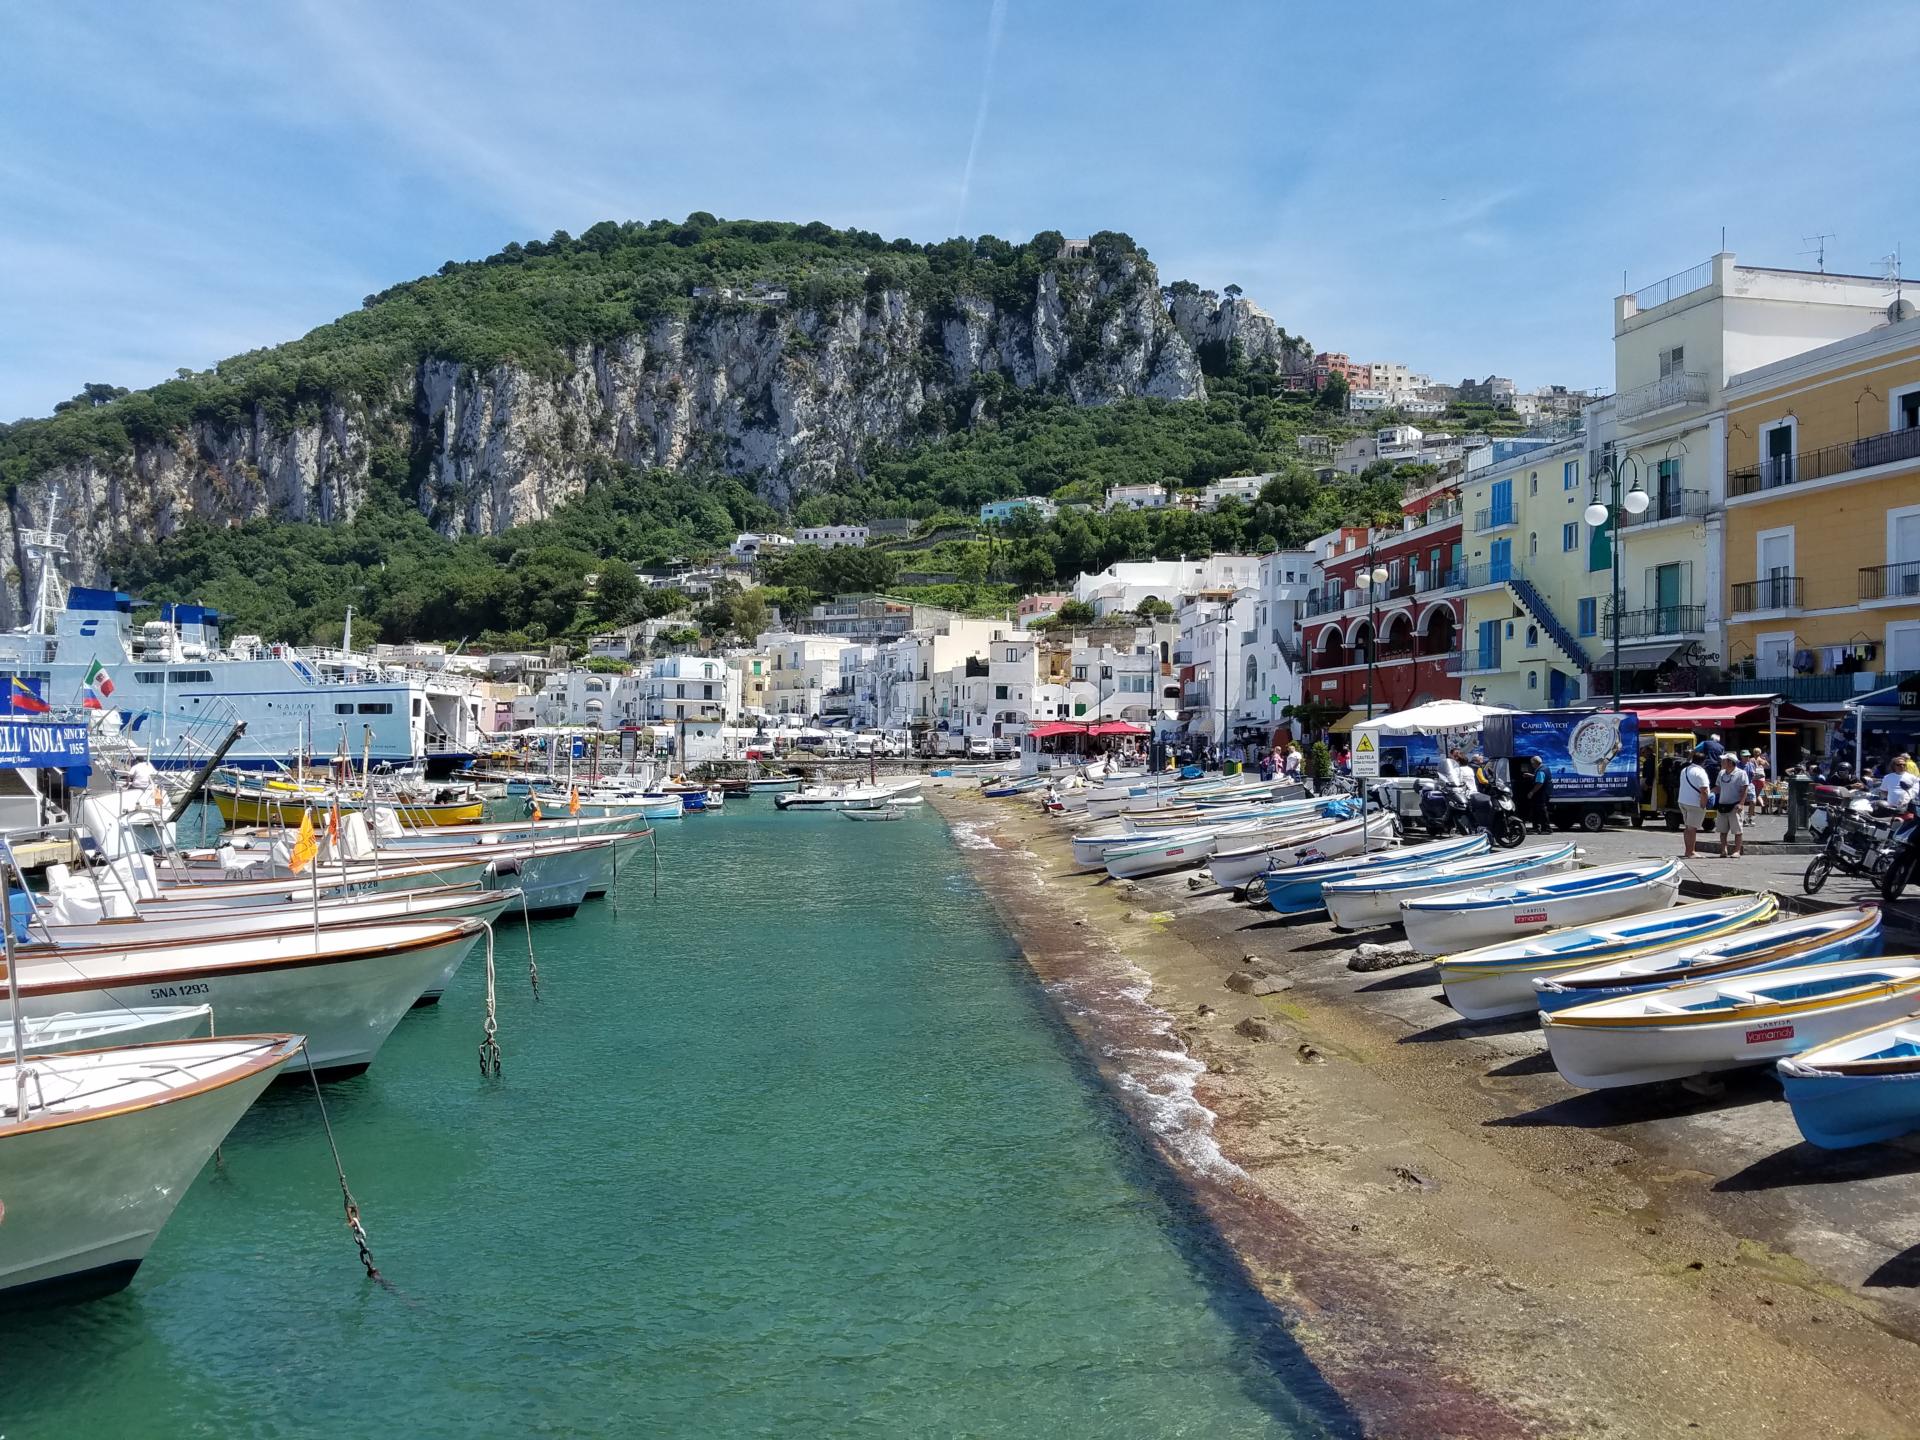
column 178, row 992
column 1764, row 1033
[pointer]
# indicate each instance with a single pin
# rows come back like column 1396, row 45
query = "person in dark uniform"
column 1539, row 814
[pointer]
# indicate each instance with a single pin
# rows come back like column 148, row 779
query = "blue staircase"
column 1535, row 605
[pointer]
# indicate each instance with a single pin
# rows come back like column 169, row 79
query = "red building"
column 1416, row 612
column 1331, row 362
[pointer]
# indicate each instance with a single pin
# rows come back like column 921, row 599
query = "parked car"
column 979, row 750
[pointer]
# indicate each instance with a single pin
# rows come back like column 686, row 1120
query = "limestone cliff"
column 788, row 394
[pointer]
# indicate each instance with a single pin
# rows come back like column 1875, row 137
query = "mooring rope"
column 346, row 1194
column 489, row 1046
column 533, row 965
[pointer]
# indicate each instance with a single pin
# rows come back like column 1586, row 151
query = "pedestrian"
column 1523, row 783
column 1542, row 797
column 1755, row 764
column 1696, row 788
column 1730, row 798
column 1709, row 751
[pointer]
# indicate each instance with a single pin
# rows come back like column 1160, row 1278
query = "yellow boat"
column 279, row 801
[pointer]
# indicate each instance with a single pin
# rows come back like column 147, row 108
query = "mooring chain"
column 533, row 965
column 489, row 1046
column 351, row 1206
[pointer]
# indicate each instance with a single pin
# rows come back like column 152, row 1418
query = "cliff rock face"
column 1204, row 318
column 790, row 397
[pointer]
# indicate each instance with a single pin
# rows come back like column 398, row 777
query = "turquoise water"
column 797, row 1150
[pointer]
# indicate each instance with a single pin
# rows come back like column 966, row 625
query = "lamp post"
column 1374, row 577
column 1634, row 502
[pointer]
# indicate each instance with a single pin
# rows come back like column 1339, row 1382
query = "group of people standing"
column 1728, row 782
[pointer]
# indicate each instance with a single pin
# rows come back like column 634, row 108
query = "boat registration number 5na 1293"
column 179, row 992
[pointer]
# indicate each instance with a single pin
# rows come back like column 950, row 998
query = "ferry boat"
column 175, row 691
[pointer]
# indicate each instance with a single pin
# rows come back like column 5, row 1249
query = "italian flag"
column 98, row 679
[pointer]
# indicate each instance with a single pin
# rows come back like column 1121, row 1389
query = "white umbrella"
column 1438, row 717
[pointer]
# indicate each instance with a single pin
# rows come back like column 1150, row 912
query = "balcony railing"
column 1321, row 602
column 1674, row 286
column 1472, row 662
column 1781, row 592
column 1427, row 581
column 1891, row 582
column 1669, row 392
column 1829, row 460
column 1494, row 517
column 1818, row 688
column 1486, row 572
column 1668, row 505
column 1656, row 621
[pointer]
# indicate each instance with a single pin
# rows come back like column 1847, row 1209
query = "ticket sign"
column 1366, row 755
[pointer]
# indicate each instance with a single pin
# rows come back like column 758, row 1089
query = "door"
column 1500, row 561
column 1774, row 655
column 1500, row 508
column 1903, row 553
column 1489, row 650
column 1775, row 563
column 1779, row 459
column 1666, row 593
column 1667, row 490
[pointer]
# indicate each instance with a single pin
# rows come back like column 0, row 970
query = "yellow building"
column 1822, row 532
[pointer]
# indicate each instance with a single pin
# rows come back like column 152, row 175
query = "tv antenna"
column 1819, row 250
column 1890, row 266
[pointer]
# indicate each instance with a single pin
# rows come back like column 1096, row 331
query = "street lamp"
column 1634, row 502
column 1375, row 576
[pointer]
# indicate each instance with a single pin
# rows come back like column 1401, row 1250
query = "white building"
column 1216, row 630
column 1012, row 678
column 831, row 537
column 694, row 690
column 1244, row 488
column 1366, row 401
column 1128, row 584
column 802, row 670
column 1272, row 665
column 1136, row 497
column 749, row 546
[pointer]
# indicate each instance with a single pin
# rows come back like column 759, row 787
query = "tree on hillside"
column 615, row 593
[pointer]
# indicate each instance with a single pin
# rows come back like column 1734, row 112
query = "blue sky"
column 1459, row 188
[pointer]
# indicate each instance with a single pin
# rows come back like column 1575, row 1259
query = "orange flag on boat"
column 305, row 844
column 573, row 802
column 333, row 822
column 536, row 809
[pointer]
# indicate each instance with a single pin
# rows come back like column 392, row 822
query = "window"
column 1533, row 544
column 706, row 692
column 1570, row 536
column 1079, row 672
column 1590, row 616
column 1533, row 680
column 150, row 677
column 1533, row 636
column 417, row 705
column 381, row 707
column 1533, row 482
column 1673, row 362
column 1570, row 477
column 190, row 677
column 343, row 709
column 1012, row 657
column 1509, row 629
column 999, row 692
column 1905, row 406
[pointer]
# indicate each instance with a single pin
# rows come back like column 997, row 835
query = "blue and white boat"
column 176, row 690
column 1483, row 914
column 1858, row 1089
column 1800, row 940
column 1014, row 787
column 1365, row 901
column 1297, row 891
column 1498, row 979
column 1736, row 1020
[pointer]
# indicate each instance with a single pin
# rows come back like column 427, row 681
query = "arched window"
column 1533, row 544
column 1533, row 680
column 1253, row 677
column 1533, row 635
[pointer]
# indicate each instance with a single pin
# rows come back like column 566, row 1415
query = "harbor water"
column 798, row 1149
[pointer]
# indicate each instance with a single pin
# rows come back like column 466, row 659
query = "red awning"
column 1117, row 727
column 1726, row 714
column 1054, row 729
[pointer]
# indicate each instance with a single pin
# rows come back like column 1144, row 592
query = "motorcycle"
column 1446, row 810
column 1856, row 841
column 1903, row 855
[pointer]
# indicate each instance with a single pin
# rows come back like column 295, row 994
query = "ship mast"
column 46, row 547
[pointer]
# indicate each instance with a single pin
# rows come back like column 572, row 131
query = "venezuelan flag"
column 24, row 697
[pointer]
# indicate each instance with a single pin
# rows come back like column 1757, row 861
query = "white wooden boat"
column 874, row 812
column 1796, row 940
column 96, row 1029
column 1737, row 1020
column 1858, row 1089
column 1498, row 979
column 1365, row 901
column 773, row 784
column 108, row 1144
column 1296, row 889
column 345, row 988
column 1243, row 861
column 1159, row 854
column 839, row 797
column 1482, row 914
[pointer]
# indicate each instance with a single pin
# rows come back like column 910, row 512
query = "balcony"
column 1668, row 505
column 1494, row 517
column 1889, row 448
column 1426, row 582
column 1324, row 602
column 1473, row 662
column 1891, row 582
column 1782, row 592
column 1657, row 622
column 1486, row 572
column 1819, row 689
column 1670, row 392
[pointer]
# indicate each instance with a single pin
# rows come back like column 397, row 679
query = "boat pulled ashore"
column 1483, row 914
column 1366, row 900
column 1858, row 1089
column 1723, row 1024
column 1496, row 980
column 1796, row 940
column 1296, row 889
column 1301, row 842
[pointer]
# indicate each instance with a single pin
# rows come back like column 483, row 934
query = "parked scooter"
column 1449, row 810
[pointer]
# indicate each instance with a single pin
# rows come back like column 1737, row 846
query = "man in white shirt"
column 1696, row 789
column 1898, row 786
column 1731, row 789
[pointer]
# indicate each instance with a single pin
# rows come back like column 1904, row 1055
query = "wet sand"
column 1463, row 1244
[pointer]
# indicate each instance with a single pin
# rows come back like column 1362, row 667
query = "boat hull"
column 86, row 1198
column 1297, row 890
column 1434, row 928
column 1859, row 1090
column 1361, row 904
column 1161, row 857
column 60, row 1034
